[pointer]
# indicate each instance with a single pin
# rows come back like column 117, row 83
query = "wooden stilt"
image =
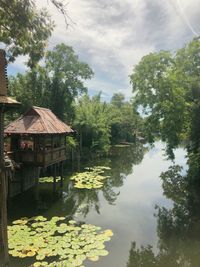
column 54, row 178
column 22, row 182
column 37, row 175
column 61, row 174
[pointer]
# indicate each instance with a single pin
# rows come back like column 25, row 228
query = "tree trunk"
column 3, row 200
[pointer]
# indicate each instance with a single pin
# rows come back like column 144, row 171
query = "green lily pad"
column 69, row 243
column 91, row 178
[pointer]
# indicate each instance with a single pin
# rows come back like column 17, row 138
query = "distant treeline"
column 58, row 84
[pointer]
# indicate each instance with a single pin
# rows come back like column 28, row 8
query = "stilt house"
column 37, row 138
column 36, row 143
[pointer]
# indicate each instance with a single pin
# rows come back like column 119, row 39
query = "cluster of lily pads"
column 56, row 242
column 48, row 179
column 93, row 177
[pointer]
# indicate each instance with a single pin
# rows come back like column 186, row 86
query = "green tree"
column 118, row 100
column 167, row 88
column 92, row 120
column 66, row 74
column 126, row 120
column 24, row 29
column 54, row 85
column 165, row 84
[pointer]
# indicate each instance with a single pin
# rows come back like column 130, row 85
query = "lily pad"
column 69, row 243
column 48, row 179
column 93, row 177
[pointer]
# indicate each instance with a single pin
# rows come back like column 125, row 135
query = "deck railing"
column 42, row 157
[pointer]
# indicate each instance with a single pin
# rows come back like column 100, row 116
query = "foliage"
column 101, row 124
column 24, row 29
column 167, row 86
column 143, row 257
column 70, row 243
column 92, row 121
column 71, row 142
column 118, row 100
column 126, row 123
column 66, row 78
column 54, row 85
column 93, row 178
column 174, row 184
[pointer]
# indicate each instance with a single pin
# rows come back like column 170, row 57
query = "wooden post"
column 54, row 178
column 22, row 181
column 3, row 199
column 61, row 174
column 5, row 104
column 37, row 175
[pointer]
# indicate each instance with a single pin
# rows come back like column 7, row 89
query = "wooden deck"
column 40, row 158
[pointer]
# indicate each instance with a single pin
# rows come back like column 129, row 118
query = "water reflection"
column 129, row 213
column 178, row 228
column 82, row 201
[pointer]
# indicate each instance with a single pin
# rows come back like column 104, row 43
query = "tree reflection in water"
column 121, row 163
column 178, row 228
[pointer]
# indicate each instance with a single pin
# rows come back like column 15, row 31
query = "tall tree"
column 167, row 88
column 54, row 85
column 66, row 75
column 118, row 100
column 126, row 121
column 92, row 120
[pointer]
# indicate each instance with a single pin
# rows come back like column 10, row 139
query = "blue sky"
column 113, row 35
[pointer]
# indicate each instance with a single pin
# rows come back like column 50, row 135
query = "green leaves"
column 93, row 120
column 93, row 178
column 54, row 85
column 166, row 88
column 43, row 239
column 24, row 29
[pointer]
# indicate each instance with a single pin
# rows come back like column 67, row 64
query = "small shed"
column 37, row 138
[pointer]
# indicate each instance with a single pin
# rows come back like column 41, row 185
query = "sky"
column 113, row 35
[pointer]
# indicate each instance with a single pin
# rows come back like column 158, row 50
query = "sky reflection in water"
column 135, row 188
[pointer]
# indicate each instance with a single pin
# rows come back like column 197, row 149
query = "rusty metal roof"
column 8, row 100
column 38, row 120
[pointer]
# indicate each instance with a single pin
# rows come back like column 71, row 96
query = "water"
column 126, row 204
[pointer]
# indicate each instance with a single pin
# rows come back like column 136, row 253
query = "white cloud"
column 112, row 36
column 19, row 65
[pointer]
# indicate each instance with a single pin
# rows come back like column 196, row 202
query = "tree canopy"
column 25, row 29
column 93, row 119
column 167, row 87
column 55, row 84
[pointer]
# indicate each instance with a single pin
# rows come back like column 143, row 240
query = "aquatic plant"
column 48, row 179
column 93, row 177
column 56, row 242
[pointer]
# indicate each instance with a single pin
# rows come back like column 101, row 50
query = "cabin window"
column 27, row 143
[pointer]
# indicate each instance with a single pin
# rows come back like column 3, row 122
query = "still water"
column 126, row 204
